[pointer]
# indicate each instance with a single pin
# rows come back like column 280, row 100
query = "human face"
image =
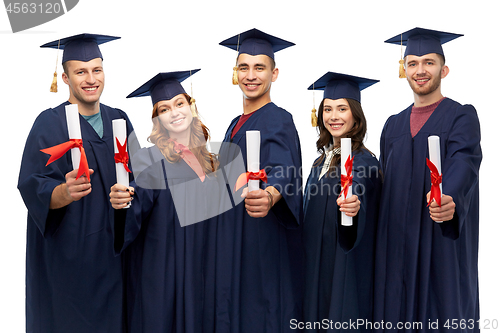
column 85, row 81
column 255, row 75
column 424, row 73
column 337, row 117
column 175, row 115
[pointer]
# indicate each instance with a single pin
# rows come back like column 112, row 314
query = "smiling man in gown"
column 426, row 259
column 73, row 279
column 259, row 252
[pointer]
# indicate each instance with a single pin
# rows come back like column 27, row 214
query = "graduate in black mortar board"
column 169, row 230
column 340, row 258
column 260, row 258
column 73, row 279
column 427, row 253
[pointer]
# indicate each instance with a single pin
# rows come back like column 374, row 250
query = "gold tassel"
column 314, row 119
column 402, row 73
column 193, row 108
column 235, row 75
column 53, row 86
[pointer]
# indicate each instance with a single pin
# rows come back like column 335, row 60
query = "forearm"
column 60, row 197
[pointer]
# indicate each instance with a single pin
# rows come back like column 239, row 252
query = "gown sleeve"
column 37, row 181
column 366, row 185
column 128, row 221
column 461, row 167
column 280, row 155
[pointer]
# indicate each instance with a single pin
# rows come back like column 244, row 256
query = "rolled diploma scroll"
column 253, row 157
column 74, row 132
column 120, row 133
column 435, row 157
column 345, row 152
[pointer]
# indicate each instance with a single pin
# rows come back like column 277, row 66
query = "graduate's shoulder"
column 276, row 119
column 147, row 168
column 458, row 108
column 114, row 112
column 365, row 154
column 146, row 157
column 399, row 117
column 365, row 157
column 51, row 113
column 235, row 119
column 50, row 121
column 280, row 112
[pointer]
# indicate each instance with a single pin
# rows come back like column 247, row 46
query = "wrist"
column 65, row 191
column 271, row 199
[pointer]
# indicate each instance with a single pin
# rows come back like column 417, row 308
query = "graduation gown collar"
column 107, row 130
column 404, row 121
column 247, row 125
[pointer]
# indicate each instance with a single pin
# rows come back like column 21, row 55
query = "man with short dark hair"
column 427, row 251
column 259, row 252
column 73, row 280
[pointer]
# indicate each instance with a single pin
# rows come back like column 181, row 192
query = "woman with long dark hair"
column 165, row 233
column 339, row 258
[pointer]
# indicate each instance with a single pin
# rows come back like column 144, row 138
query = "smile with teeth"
column 422, row 80
column 178, row 121
column 90, row 89
column 336, row 126
column 251, row 85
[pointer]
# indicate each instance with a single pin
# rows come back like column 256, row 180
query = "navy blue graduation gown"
column 340, row 259
column 167, row 263
column 73, row 279
column 427, row 271
column 260, row 260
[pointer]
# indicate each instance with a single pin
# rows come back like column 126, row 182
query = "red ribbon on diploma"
column 436, row 179
column 346, row 180
column 56, row 152
column 122, row 155
column 245, row 177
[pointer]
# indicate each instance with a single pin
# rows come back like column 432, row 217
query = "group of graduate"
column 188, row 248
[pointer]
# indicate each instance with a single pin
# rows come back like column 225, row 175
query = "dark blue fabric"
column 259, row 276
column 73, row 279
column 337, row 85
column 163, row 86
column 420, row 41
column 255, row 42
column 340, row 259
column 82, row 47
column 427, row 270
column 167, row 264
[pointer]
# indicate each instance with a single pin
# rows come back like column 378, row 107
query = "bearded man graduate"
column 259, row 253
column 426, row 270
column 73, row 279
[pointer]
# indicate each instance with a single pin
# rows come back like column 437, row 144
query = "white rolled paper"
column 435, row 156
column 345, row 152
column 120, row 133
column 74, row 132
column 253, row 157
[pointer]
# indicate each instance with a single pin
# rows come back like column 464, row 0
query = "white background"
column 341, row 36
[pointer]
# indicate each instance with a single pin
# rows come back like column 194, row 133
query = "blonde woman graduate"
column 165, row 231
column 339, row 258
